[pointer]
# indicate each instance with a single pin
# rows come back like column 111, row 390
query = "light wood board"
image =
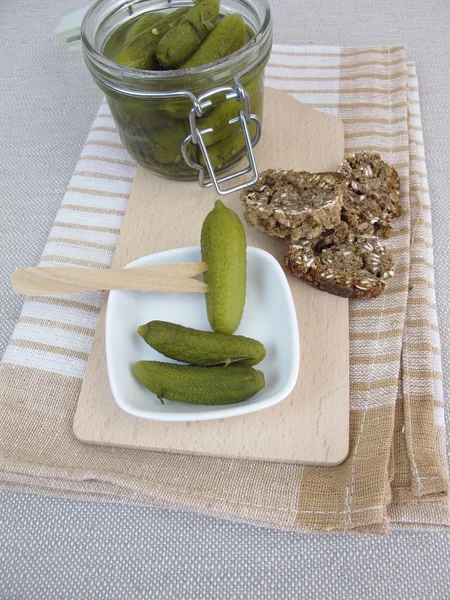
column 311, row 425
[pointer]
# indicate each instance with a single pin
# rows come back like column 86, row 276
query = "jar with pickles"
column 184, row 82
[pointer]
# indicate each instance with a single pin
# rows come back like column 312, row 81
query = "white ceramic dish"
column 269, row 317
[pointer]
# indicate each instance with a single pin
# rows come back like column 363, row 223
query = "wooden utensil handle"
column 66, row 280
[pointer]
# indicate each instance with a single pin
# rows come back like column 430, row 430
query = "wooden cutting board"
column 311, row 426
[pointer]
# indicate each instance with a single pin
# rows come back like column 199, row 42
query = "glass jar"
column 184, row 123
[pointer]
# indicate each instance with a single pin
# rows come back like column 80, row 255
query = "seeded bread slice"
column 294, row 204
column 372, row 195
column 332, row 237
column 358, row 267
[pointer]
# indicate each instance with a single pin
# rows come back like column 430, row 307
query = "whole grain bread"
column 372, row 195
column 330, row 221
column 354, row 267
column 294, row 204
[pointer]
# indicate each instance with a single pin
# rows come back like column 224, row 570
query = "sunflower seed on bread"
column 372, row 196
column 354, row 267
column 294, row 204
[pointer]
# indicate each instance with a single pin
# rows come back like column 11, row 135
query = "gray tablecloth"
column 52, row 548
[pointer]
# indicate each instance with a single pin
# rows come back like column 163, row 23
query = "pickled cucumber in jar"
column 153, row 129
column 139, row 51
column 189, row 34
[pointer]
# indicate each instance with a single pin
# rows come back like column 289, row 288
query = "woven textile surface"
column 396, row 469
column 57, row 548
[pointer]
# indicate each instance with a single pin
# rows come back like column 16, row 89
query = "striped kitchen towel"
column 396, row 472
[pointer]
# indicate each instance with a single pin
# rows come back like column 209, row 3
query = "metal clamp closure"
column 244, row 117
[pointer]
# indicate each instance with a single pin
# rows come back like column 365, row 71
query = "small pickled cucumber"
column 224, row 250
column 249, row 33
column 140, row 52
column 232, row 147
column 141, row 24
column 218, row 115
column 166, row 156
column 218, row 118
column 167, row 141
column 227, row 36
column 201, row 347
column 185, row 37
column 199, row 385
column 170, row 135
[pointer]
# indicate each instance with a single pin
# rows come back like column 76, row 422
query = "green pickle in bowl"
column 203, row 348
column 199, row 385
column 183, row 49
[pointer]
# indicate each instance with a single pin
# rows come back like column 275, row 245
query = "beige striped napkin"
column 396, row 472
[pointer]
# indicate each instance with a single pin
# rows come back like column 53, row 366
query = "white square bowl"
column 269, row 317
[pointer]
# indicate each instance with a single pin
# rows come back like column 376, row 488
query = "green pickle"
column 224, row 249
column 155, row 144
column 140, row 51
column 185, row 37
column 226, row 37
column 141, row 24
column 203, row 348
column 218, row 118
column 153, row 129
column 199, row 385
column 249, row 33
column 230, row 149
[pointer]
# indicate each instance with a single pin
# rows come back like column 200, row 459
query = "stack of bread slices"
column 332, row 222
